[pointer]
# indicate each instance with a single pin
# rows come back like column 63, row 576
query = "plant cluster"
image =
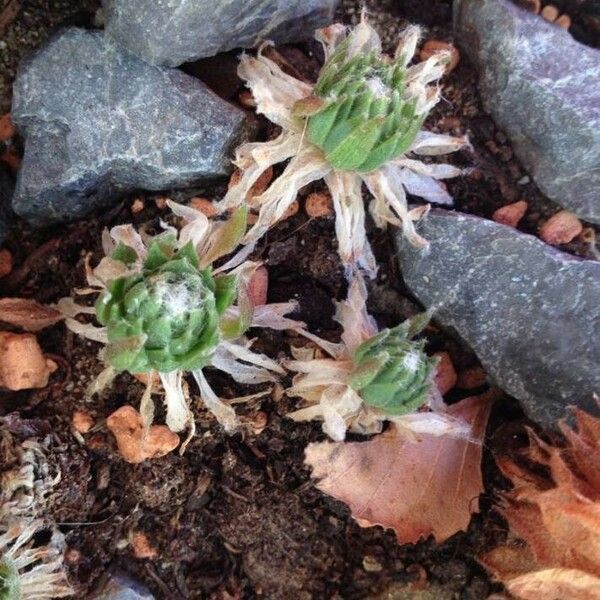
column 168, row 304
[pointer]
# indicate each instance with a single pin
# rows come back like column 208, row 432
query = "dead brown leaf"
column 28, row 314
column 554, row 520
column 417, row 488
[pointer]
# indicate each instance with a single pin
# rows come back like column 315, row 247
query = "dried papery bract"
column 26, row 477
column 164, row 309
column 372, row 377
column 360, row 123
column 30, row 572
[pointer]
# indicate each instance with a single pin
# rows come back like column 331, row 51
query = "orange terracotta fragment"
column 134, row 444
column 22, row 362
column 511, row 214
column 318, row 204
column 563, row 21
column 561, row 228
column 6, row 262
column 7, row 129
column 142, row 548
column 432, row 47
column 550, row 13
column 137, row 206
column 445, row 373
column 161, row 202
column 82, row 421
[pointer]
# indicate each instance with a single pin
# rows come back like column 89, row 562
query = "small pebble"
column 561, row 228
column 563, row 21
column 7, row 129
column 550, row 13
column 161, row 202
column 431, row 47
column 371, row 564
column 134, row 445
column 82, row 421
column 318, row 204
column 22, row 362
column 259, row 421
column 511, row 214
column 142, row 548
column 6, row 263
column 137, row 206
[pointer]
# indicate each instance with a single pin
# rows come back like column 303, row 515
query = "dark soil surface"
column 238, row 517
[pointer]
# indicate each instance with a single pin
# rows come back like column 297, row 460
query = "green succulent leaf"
column 391, row 372
column 124, row 254
column 10, row 581
column 226, row 289
column 228, row 236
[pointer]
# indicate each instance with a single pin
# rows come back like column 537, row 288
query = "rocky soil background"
column 110, row 125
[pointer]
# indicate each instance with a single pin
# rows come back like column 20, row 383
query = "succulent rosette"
column 371, row 377
column 165, row 310
column 165, row 317
column 360, row 123
column 391, row 372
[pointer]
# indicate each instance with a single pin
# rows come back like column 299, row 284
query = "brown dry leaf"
column 557, row 519
column 28, row 314
column 418, row 488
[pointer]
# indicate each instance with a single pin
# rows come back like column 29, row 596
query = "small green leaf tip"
column 166, row 317
column 10, row 582
column 391, row 372
column 366, row 117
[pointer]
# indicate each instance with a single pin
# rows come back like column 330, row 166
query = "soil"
column 238, row 516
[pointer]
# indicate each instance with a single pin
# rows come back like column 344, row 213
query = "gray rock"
column 543, row 88
column 530, row 312
column 98, row 123
column 6, row 192
column 171, row 32
column 119, row 586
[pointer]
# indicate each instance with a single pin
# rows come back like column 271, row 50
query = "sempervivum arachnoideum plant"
column 361, row 122
column 29, row 571
column 372, row 376
column 164, row 309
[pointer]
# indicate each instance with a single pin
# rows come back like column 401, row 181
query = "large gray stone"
column 171, row 32
column 98, row 123
column 530, row 312
column 543, row 88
